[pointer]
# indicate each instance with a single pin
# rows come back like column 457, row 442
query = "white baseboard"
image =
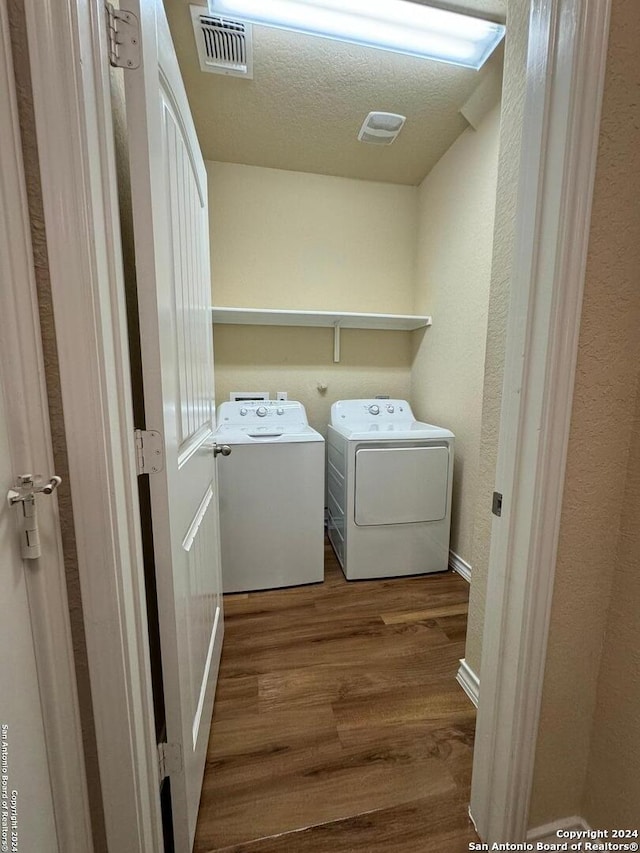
column 460, row 566
column 548, row 833
column 469, row 681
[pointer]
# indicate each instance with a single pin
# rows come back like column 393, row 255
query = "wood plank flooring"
column 338, row 724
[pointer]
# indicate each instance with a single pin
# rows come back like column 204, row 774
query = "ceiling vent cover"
column 381, row 128
column 224, row 45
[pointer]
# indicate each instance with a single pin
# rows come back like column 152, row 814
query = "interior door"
column 26, row 804
column 169, row 196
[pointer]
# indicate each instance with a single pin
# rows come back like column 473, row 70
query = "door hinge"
column 169, row 759
column 496, row 504
column 149, row 451
column 124, row 38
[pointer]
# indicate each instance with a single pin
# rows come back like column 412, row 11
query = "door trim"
column 70, row 79
column 556, row 182
column 31, row 450
column 565, row 80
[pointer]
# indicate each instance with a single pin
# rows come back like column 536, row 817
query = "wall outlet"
column 282, row 395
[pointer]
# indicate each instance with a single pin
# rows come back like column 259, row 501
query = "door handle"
column 218, row 449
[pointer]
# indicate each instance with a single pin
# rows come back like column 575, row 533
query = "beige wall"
column 293, row 240
column 587, row 704
column 612, row 790
column 296, row 360
column 457, row 202
column 508, row 167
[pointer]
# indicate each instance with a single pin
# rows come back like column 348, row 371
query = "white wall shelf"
column 335, row 320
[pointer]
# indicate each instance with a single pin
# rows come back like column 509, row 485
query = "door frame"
column 27, row 416
column 70, row 82
column 566, row 66
column 567, row 52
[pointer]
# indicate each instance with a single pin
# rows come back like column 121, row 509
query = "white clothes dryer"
column 271, row 496
column 389, row 482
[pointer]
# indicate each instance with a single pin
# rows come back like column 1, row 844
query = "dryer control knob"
column 261, row 411
column 391, row 409
column 280, row 412
column 374, row 410
column 243, row 412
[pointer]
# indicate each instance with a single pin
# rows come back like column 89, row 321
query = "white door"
column 26, row 805
column 169, row 192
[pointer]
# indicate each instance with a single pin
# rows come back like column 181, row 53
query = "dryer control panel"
column 349, row 412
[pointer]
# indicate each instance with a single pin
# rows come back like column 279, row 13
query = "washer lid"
column 414, row 431
column 264, row 434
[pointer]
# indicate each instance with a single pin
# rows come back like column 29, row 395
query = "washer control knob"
column 243, row 412
column 391, row 409
column 261, row 411
column 280, row 411
column 374, row 410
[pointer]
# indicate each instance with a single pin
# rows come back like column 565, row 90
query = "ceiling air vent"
column 224, row 45
column 381, row 128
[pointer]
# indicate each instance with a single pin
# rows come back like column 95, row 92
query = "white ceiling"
column 308, row 97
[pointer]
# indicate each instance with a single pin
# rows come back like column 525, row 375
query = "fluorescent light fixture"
column 396, row 25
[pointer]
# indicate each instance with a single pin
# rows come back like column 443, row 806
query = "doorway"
column 107, row 280
column 304, row 217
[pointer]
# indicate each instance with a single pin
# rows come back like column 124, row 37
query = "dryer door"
column 401, row 485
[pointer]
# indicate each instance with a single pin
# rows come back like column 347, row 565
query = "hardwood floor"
column 338, row 724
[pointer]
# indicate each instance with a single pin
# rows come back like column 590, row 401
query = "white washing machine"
column 271, row 496
column 389, row 480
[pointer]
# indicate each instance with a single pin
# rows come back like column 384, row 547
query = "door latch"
column 24, row 495
column 218, row 449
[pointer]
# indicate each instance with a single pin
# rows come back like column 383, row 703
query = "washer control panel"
column 350, row 412
column 285, row 415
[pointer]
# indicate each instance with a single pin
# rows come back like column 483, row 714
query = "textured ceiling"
column 308, row 97
column 494, row 10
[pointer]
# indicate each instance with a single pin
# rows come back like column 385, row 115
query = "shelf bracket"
column 336, row 342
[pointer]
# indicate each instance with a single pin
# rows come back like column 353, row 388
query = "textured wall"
column 453, row 271
column 292, row 240
column 612, row 790
column 508, row 167
column 295, row 360
column 601, row 428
